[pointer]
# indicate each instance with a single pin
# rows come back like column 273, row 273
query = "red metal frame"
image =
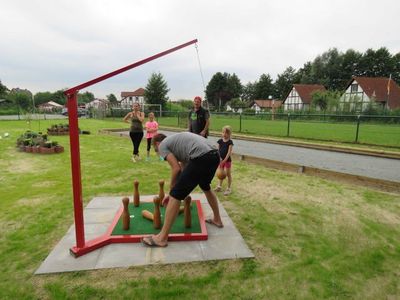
column 108, row 238
column 72, row 105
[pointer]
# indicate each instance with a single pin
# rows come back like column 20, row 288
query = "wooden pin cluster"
column 154, row 216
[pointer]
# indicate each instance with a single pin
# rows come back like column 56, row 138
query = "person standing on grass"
column 193, row 163
column 199, row 118
column 135, row 118
column 225, row 146
column 151, row 130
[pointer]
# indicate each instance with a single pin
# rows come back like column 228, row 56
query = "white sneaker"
column 133, row 159
column 218, row 189
column 227, row 192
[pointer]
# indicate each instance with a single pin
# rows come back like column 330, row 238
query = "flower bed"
column 62, row 129
column 33, row 142
column 58, row 129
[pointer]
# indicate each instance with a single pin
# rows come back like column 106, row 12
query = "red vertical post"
column 76, row 168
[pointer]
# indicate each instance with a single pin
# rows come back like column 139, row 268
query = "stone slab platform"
column 222, row 243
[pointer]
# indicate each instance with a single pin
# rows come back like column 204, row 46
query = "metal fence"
column 363, row 129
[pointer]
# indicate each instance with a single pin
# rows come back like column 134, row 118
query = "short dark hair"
column 158, row 138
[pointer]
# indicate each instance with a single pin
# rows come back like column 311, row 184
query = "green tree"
column 264, row 87
column 249, row 92
column 156, row 90
column 319, row 99
column 42, row 97
column 113, row 100
column 59, row 97
column 85, row 97
column 377, row 63
column 3, row 91
column 235, row 87
column 217, row 90
column 284, row 82
column 21, row 98
column 350, row 67
column 396, row 68
column 237, row 103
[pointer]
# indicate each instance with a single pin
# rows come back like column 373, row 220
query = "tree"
column 59, row 97
column 350, row 67
column 21, row 98
column 285, row 81
column 217, row 90
column 237, row 103
column 377, row 63
column 85, row 97
column 3, row 91
column 42, row 97
column 113, row 100
column 156, row 90
column 249, row 92
column 264, row 87
column 319, row 99
column 235, row 87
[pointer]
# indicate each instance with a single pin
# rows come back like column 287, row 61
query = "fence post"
column 358, row 128
column 240, row 122
column 288, row 124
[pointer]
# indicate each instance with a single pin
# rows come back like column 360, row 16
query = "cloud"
column 48, row 45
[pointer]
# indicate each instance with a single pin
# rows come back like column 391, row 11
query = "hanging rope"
column 201, row 71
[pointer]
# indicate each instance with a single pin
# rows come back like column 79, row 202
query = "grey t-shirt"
column 185, row 146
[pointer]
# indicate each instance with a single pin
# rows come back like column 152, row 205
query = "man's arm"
column 175, row 168
column 207, row 125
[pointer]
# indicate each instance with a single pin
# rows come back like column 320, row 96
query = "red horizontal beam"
column 131, row 66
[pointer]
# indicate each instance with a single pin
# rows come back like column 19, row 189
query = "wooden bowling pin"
column 147, row 215
column 157, row 213
column 187, row 212
column 126, row 219
column 161, row 193
column 136, row 197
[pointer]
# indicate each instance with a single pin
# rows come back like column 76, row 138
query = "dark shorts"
column 199, row 171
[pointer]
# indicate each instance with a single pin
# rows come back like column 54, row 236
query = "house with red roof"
column 364, row 91
column 266, row 105
column 300, row 96
column 128, row 98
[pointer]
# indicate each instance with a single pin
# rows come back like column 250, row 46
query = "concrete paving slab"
column 222, row 243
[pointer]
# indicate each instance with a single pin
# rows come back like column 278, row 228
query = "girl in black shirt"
column 225, row 146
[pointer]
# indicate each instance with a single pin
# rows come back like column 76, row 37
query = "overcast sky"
column 53, row 44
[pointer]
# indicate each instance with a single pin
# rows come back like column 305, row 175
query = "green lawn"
column 312, row 238
column 376, row 134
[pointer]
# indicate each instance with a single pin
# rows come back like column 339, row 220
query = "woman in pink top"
column 151, row 130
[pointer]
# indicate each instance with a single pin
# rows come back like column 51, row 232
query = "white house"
column 266, row 105
column 98, row 104
column 128, row 98
column 300, row 96
column 363, row 91
column 50, row 106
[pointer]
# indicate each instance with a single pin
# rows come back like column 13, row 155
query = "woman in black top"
column 135, row 118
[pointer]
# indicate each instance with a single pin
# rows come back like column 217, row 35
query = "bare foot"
column 215, row 223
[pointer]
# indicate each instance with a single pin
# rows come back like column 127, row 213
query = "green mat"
column 140, row 225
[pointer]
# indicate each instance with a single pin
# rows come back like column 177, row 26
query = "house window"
column 354, row 88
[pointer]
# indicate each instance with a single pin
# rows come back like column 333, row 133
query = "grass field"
column 312, row 238
column 377, row 134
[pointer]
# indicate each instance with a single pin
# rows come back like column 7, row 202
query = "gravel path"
column 363, row 165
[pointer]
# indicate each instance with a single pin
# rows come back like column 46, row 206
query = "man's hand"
column 165, row 201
